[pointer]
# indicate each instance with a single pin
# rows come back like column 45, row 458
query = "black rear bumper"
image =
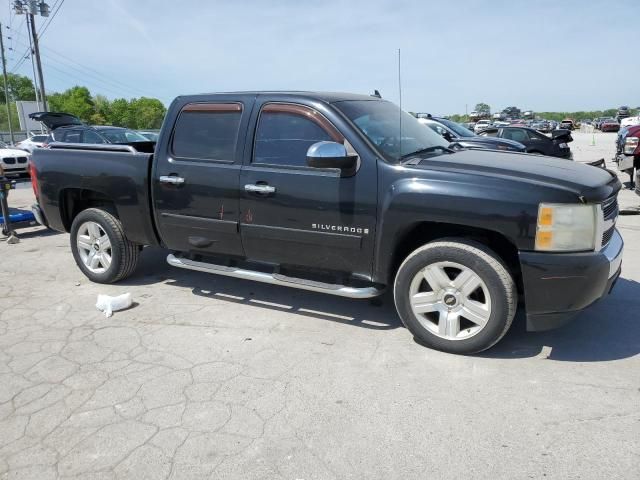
column 559, row 286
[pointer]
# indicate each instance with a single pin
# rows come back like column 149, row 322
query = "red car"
column 609, row 125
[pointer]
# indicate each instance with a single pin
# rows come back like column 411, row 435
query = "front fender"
column 460, row 200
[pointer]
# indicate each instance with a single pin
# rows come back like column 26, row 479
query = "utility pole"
column 36, row 49
column 30, row 8
column 6, row 87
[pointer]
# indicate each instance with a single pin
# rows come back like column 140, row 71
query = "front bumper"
column 558, row 286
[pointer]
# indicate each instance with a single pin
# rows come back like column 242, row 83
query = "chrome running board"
column 274, row 278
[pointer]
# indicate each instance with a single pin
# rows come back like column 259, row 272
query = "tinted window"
column 489, row 133
column 122, row 135
column 536, row 136
column 284, row 138
column 89, row 136
column 515, row 134
column 209, row 135
column 72, row 136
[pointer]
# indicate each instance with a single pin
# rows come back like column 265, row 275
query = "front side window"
column 122, row 135
column 516, row 135
column 90, row 136
column 286, row 131
column 207, row 131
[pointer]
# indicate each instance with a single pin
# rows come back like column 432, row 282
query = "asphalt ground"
column 212, row 377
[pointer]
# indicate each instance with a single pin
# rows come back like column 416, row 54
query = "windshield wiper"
column 427, row 150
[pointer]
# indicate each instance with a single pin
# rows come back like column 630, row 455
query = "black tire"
column 124, row 253
column 481, row 261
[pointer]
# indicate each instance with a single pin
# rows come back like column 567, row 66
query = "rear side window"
column 285, row 133
column 207, row 131
column 72, row 136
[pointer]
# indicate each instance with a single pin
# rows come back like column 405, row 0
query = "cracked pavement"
column 214, row 378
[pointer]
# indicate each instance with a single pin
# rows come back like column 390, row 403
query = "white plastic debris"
column 108, row 304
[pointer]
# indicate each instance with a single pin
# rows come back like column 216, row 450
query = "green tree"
column 102, row 110
column 483, row 109
column 146, row 113
column 20, row 88
column 119, row 113
column 76, row 101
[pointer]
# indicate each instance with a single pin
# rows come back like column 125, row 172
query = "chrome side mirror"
column 332, row 155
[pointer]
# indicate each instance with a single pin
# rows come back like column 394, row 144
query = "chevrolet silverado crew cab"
column 347, row 195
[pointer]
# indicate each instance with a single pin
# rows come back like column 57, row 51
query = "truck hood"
column 591, row 183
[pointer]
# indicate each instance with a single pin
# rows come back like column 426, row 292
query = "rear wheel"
column 455, row 296
column 100, row 247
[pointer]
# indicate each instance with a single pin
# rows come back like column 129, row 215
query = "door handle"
column 172, row 179
column 259, row 188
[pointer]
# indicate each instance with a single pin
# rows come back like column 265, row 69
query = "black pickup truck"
column 347, row 195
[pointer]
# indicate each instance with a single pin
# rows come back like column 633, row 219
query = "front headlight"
column 566, row 227
column 630, row 145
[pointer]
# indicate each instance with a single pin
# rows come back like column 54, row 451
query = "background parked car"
column 609, row 125
column 536, row 142
column 481, row 125
column 34, row 141
column 628, row 151
column 68, row 128
column 567, row 124
column 13, row 161
column 630, row 121
column 152, row 136
column 454, row 132
column 623, row 112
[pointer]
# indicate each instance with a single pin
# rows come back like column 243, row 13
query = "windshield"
column 122, row 136
column 380, row 120
column 457, row 128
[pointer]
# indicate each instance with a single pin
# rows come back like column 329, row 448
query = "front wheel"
column 100, row 247
column 455, row 295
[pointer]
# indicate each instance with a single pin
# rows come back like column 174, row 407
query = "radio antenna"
column 400, row 98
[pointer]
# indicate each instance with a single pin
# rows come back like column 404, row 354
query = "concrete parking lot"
column 211, row 377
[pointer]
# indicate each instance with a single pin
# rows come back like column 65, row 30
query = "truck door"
column 195, row 178
column 298, row 216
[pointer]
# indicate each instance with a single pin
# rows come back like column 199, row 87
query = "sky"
column 545, row 55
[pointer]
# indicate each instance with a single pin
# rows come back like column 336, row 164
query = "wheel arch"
column 74, row 200
column 420, row 233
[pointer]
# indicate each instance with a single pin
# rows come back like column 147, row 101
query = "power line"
column 45, row 25
column 97, row 78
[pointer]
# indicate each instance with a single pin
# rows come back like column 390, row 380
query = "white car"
column 13, row 161
column 481, row 125
column 34, row 141
column 630, row 121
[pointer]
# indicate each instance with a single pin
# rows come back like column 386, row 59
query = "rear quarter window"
column 207, row 131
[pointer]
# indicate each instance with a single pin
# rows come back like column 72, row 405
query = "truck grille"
column 610, row 213
column 610, row 208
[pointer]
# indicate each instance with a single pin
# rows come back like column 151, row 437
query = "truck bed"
column 71, row 176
